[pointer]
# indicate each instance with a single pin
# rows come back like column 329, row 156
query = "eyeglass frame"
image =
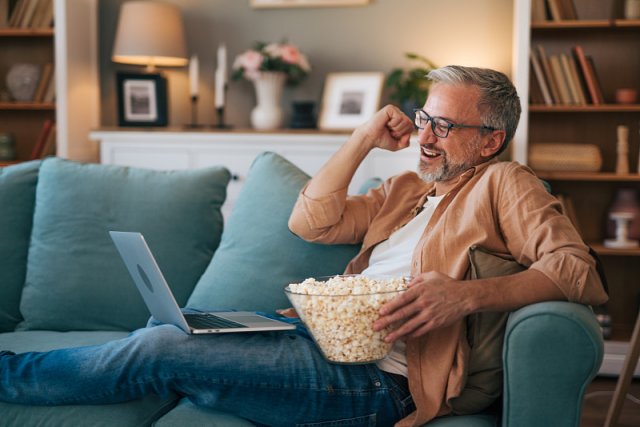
column 418, row 111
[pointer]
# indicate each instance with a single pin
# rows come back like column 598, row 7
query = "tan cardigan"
column 501, row 206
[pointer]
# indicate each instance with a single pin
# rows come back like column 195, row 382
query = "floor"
column 597, row 400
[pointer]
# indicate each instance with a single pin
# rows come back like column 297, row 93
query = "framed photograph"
column 349, row 99
column 142, row 99
column 264, row 4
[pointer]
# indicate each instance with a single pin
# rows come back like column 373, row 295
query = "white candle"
column 219, row 95
column 193, row 76
column 221, row 77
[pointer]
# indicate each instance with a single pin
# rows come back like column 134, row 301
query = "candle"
column 193, row 76
column 221, row 76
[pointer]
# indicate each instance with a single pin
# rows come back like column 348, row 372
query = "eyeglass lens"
column 440, row 127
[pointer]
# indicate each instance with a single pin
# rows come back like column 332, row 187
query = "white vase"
column 267, row 114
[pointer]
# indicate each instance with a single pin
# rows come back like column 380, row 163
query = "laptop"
column 162, row 304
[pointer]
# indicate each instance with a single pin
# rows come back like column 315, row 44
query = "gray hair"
column 499, row 103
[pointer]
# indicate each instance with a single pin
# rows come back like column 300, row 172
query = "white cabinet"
column 177, row 149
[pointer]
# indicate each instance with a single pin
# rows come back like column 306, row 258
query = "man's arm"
column 434, row 300
column 389, row 129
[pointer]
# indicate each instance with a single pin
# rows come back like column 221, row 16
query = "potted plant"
column 409, row 87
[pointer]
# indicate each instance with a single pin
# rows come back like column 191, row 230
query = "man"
column 418, row 224
column 470, row 199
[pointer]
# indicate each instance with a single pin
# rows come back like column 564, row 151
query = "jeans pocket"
column 364, row 421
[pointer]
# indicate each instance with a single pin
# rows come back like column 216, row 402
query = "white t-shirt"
column 393, row 258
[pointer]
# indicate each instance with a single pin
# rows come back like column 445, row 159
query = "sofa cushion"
column 136, row 413
column 188, row 414
column 258, row 255
column 75, row 278
column 17, row 199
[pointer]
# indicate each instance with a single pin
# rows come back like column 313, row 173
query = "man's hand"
column 433, row 300
column 389, row 129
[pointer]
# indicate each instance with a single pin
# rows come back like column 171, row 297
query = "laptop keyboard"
column 210, row 321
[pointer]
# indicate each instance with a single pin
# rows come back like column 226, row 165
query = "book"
column 535, row 93
column 588, row 75
column 546, row 68
column 4, row 13
column 16, row 13
column 49, row 148
column 50, row 92
column 592, row 69
column 38, row 14
column 555, row 10
column 43, row 84
column 38, row 148
column 540, row 79
column 538, row 11
column 30, row 8
column 579, row 83
column 571, row 84
column 558, row 75
column 568, row 9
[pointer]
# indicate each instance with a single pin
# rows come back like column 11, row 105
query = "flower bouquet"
column 274, row 57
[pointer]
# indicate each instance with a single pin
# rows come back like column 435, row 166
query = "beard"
column 451, row 167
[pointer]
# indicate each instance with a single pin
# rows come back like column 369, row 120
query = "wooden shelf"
column 27, row 106
column 603, row 108
column 586, row 24
column 26, row 32
column 603, row 250
column 588, row 176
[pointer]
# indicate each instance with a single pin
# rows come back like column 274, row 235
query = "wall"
column 367, row 38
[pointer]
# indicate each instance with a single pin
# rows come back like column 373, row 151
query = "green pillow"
column 75, row 278
column 17, row 198
column 258, row 255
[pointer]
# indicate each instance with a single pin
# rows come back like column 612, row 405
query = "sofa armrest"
column 551, row 353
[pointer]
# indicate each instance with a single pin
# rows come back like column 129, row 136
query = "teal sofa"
column 62, row 283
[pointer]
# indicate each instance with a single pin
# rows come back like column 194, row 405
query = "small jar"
column 7, row 147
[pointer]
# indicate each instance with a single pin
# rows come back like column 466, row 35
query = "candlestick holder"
column 194, row 113
column 220, row 124
column 622, row 240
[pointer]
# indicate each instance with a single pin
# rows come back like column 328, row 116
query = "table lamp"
column 150, row 34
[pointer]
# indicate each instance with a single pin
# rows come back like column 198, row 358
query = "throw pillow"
column 17, row 198
column 485, row 332
column 258, row 255
column 75, row 278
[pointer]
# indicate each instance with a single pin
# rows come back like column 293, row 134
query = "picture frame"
column 142, row 99
column 267, row 4
column 349, row 99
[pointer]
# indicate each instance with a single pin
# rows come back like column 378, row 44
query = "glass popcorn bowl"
column 339, row 312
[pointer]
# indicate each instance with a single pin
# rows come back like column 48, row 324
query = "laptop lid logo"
column 145, row 278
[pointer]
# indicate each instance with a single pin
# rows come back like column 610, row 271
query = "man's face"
column 444, row 159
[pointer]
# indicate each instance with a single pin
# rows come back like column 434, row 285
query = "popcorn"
column 340, row 312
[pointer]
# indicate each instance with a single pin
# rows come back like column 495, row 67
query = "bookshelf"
column 611, row 41
column 71, row 48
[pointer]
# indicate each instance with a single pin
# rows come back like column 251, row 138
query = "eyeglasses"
column 440, row 126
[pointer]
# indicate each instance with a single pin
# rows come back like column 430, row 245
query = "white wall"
column 368, row 38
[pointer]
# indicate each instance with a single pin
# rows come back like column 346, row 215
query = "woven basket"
column 565, row 157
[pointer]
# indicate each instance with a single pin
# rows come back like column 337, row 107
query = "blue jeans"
column 270, row 378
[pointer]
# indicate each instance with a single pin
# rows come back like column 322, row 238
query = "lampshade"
column 150, row 34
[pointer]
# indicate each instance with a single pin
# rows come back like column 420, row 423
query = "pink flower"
column 290, row 54
column 250, row 60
